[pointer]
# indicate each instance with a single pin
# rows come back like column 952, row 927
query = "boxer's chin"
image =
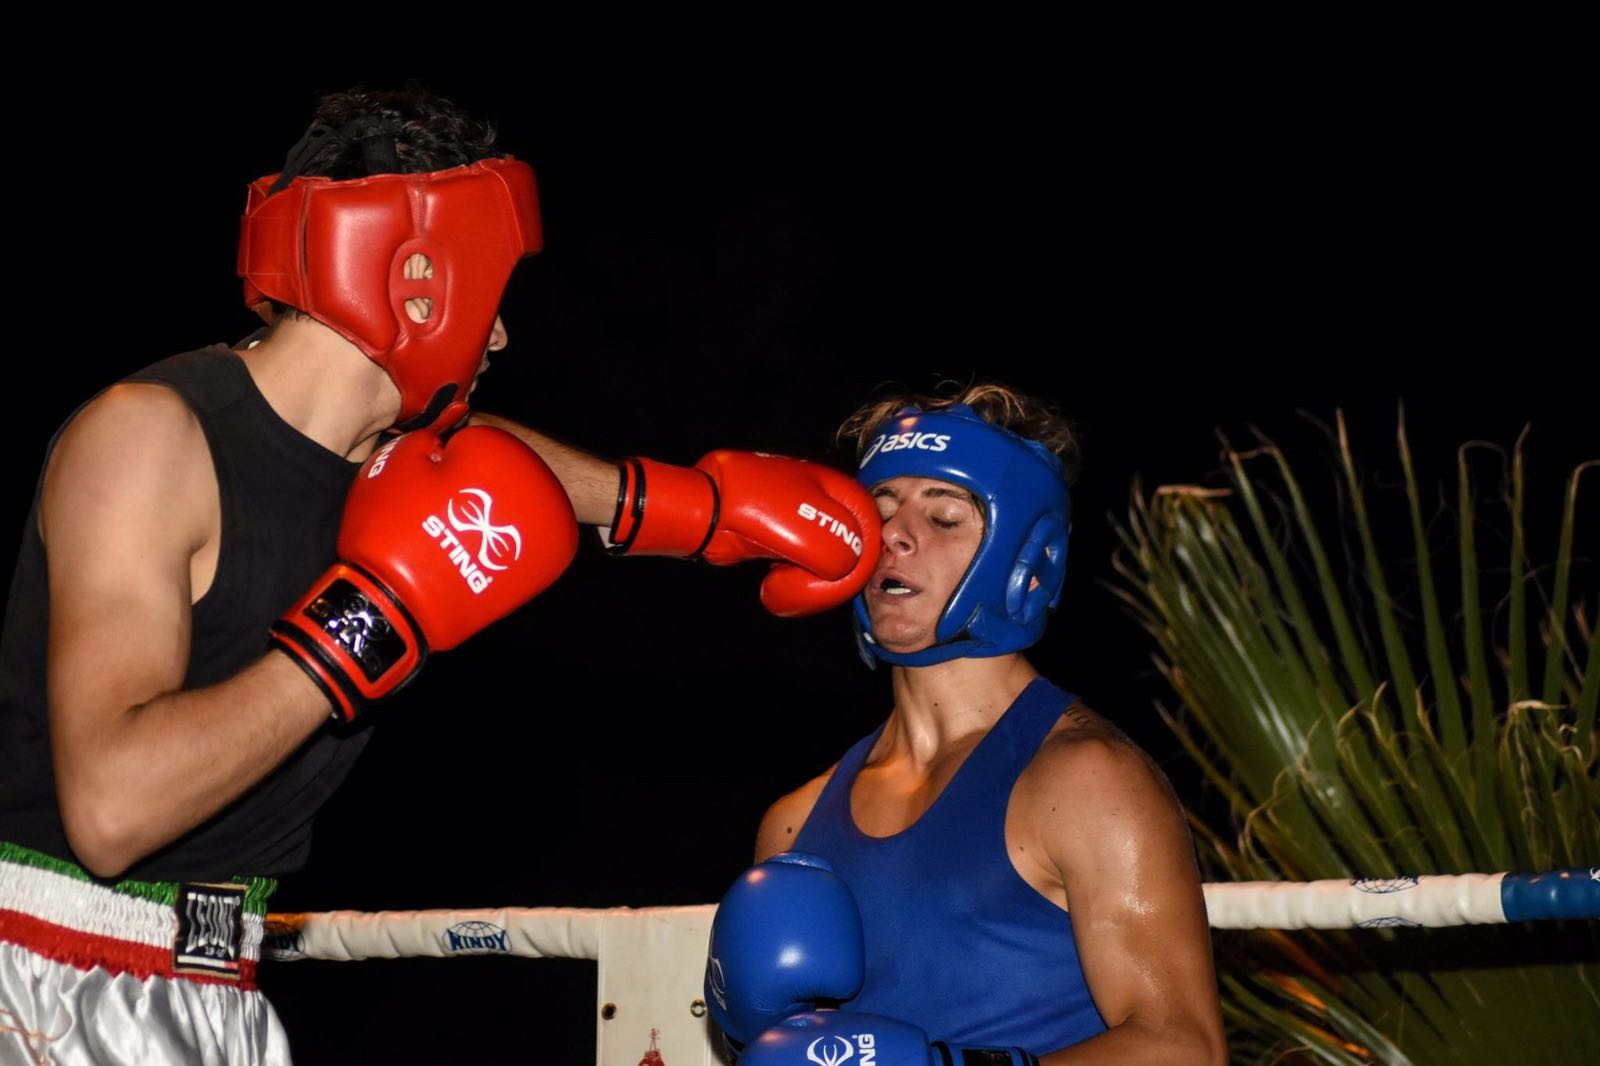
column 895, row 632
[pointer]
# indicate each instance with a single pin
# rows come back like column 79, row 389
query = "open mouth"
column 893, row 586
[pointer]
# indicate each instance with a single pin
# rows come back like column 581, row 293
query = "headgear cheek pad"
column 338, row 250
column 996, row 608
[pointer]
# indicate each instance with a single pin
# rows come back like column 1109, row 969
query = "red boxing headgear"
column 337, row 250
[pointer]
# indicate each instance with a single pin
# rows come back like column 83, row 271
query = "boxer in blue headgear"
column 1014, row 580
column 1023, row 874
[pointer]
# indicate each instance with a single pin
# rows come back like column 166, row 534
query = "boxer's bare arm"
column 591, row 482
column 782, row 822
column 1110, row 825
column 130, row 498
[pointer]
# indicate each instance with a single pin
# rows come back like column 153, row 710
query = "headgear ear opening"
column 1035, row 588
column 996, row 608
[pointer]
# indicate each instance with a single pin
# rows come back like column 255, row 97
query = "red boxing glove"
column 820, row 524
column 440, row 538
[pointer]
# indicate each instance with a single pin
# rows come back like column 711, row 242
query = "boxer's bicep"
column 119, row 526
column 1126, row 861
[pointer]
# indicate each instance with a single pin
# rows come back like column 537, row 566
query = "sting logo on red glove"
column 812, row 513
column 493, row 538
column 505, row 532
column 380, row 458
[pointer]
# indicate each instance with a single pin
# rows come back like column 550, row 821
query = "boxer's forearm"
column 131, row 782
column 1172, row 1043
column 590, row 481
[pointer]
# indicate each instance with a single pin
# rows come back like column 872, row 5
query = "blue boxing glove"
column 836, row 1037
column 786, row 937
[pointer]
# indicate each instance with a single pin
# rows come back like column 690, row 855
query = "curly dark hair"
column 1026, row 416
column 360, row 133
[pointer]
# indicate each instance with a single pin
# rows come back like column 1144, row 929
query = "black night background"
column 736, row 258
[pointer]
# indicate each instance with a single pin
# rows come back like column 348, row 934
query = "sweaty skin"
column 1092, row 825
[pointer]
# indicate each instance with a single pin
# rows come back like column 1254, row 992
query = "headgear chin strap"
column 995, row 609
column 337, row 250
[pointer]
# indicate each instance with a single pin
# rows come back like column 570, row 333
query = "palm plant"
column 1356, row 729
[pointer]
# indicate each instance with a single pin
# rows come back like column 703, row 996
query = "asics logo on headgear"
column 474, row 518
column 894, row 442
column 830, row 1051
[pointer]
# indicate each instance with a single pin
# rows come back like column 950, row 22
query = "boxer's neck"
column 945, row 704
column 323, row 386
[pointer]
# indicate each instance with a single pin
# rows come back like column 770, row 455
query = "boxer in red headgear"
column 160, row 766
column 407, row 267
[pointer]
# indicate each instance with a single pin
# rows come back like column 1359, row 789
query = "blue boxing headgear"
column 1019, row 484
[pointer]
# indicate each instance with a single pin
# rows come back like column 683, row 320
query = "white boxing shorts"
column 141, row 973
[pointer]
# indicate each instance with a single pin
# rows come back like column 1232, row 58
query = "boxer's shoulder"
column 1088, row 796
column 1086, row 764
column 1080, row 722
column 782, row 822
column 135, row 455
column 131, row 423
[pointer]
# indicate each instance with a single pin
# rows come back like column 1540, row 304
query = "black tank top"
column 281, row 494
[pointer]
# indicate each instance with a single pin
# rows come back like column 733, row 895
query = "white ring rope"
column 525, row 932
column 571, row 933
column 652, row 960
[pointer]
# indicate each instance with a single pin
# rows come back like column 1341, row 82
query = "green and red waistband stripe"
column 56, row 910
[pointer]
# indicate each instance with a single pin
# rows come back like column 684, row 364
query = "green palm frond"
column 1356, row 725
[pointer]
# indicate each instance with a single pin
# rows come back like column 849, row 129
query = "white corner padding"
column 652, row 962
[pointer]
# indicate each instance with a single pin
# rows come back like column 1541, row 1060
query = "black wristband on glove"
column 982, row 1056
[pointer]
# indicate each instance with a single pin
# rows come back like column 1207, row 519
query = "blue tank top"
column 957, row 942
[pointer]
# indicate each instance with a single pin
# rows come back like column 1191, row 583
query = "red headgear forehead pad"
column 338, row 251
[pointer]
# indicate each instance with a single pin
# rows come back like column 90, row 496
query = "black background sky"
column 738, row 252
